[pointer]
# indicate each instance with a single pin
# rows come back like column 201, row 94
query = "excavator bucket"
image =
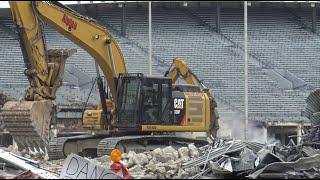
column 28, row 122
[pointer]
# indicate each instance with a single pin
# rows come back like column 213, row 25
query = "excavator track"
column 55, row 150
column 61, row 147
column 58, row 146
column 106, row 145
column 28, row 123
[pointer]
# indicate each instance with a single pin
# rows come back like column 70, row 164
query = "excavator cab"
column 143, row 100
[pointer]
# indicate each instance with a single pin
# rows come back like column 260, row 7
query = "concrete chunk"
column 140, row 159
column 184, row 153
column 194, row 152
column 170, row 153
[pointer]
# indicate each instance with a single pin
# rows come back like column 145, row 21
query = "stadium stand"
column 286, row 46
column 177, row 35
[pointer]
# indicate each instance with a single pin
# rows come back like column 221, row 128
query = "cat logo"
column 178, row 103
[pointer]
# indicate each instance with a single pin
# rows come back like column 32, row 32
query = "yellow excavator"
column 141, row 112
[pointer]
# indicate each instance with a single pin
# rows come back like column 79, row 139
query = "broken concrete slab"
column 140, row 159
column 130, row 161
column 245, row 162
column 184, row 153
column 169, row 153
column 137, row 171
column 151, row 166
column 194, row 152
column 150, row 175
column 181, row 174
column 158, row 154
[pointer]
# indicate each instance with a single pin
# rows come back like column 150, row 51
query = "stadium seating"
column 273, row 37
column 11, row 63
column 176, row 35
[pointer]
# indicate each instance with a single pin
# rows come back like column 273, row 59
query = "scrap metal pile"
column 255, row 160
column 312, row 112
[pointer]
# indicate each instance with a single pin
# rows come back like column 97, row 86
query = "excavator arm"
column 82, row 30
column 44, row 69
column 180, row 68
column 89, row 35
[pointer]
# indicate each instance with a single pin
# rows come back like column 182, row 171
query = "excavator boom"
column 44, row 69
column 89, row 35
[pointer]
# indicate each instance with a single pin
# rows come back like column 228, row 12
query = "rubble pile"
column 161, row 163
column 221, row 159
column 38, row 156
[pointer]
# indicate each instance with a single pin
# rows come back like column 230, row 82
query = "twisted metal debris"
column 229, row 147
column 312, row 110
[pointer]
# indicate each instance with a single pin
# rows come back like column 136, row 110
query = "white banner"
column 76, row 167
